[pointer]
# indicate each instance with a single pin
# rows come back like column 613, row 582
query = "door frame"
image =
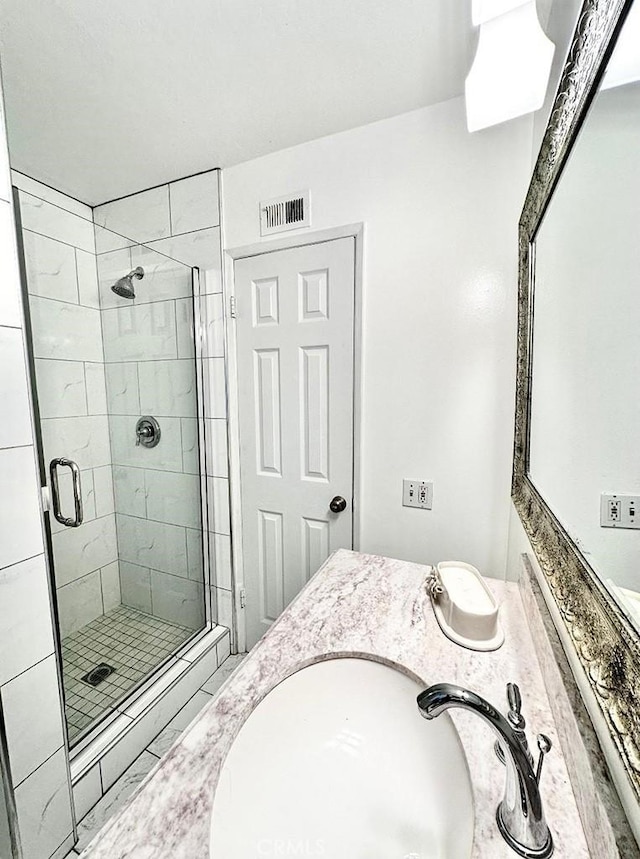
column 289, row 242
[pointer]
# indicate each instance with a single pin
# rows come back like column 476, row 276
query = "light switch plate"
column 417, row 493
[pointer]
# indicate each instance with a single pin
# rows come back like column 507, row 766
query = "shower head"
column 124, row 286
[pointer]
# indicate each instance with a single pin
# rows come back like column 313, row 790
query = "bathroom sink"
column 337, row 762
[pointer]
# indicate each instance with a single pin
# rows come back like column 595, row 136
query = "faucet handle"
column 544, row 745
column 516, row 720
column 514, row 699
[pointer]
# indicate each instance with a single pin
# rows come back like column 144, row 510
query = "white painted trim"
column 355, row 231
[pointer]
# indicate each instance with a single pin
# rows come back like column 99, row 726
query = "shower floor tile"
column 128, row 640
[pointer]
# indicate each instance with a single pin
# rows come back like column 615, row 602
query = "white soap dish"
column 464, row 606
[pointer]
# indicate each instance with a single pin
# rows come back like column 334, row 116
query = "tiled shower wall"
column 182, row 219
column 150, row 370
column 28, row 671
column 59, row 247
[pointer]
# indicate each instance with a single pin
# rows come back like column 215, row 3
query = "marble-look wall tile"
column 194, row 203
column 215, row 388
column 25, row 616
column 85, row 440
column 66, row 331
column 167, row 737
column 10, row 301
column 15, row 425
column 43, row 802
column 130, row 491
column 142, row 217
column 61, row 388
column 144, row 332
column 115, row 798
column 56, row 223
column 107, row 240
column 174, row 498
column 224, row 607
column 190, row 446
column 20, row 523
column 217, row 448
column 103, row 487
column 51, row 268
column 78, row 551
column 79, row 603
column 195, row 554
column 5, row 171
column 184, row 325
column 221, row 553
column 165, row 456
column 96, row 389
column 122, row 389
column 214, row 326
column 213, row 274
column 223, row 648
column 177, row 600
column 135, row 586
column 110, row 581
column 218, row 492
column 50, row 195
column 86, row 792
column 33, row 720
column 200, row 249
column 152, row 544
column 111, row 267
column 164, row 278
column 88, row 293
column 168, row 388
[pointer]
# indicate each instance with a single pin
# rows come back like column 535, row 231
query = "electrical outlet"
column 619, row 511
column 417, row 493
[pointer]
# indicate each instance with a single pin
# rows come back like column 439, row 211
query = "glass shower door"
column 119, row 413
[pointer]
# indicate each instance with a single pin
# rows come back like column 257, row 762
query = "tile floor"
column 118, row 794
column 130, row 641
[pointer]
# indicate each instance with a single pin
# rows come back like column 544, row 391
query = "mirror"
column 576, row 383
column 585, row 369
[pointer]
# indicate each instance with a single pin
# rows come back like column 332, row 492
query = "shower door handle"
column 61, row 461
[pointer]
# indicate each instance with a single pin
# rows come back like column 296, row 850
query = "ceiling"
column 107, row 98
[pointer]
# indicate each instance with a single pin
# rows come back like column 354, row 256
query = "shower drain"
column 98, row 674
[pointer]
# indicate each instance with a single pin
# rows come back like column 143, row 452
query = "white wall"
column 28, row 672
column 440, row 208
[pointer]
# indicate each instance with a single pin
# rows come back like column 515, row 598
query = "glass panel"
column 117, row 390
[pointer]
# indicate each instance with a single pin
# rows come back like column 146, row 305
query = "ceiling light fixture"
column 510, row 70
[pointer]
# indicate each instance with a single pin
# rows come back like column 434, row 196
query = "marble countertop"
column 360, row 605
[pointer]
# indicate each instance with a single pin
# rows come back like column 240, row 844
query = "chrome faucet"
column 520, row 816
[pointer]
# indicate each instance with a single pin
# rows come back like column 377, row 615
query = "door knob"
column 337, row 504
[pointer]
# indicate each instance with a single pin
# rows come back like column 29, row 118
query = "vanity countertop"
column 360, row 605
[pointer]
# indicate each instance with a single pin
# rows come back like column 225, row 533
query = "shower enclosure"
column 119, row 409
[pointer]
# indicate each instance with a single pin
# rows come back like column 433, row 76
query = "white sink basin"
column 337, row 762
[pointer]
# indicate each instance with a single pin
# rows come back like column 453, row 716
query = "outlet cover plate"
column 619, row 511
column 417, row 493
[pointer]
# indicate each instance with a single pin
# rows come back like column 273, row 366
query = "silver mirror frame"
column 607, row 645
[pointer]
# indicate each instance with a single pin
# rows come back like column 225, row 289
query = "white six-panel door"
column 294, row 334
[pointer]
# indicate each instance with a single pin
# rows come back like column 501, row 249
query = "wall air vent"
column 285, row 213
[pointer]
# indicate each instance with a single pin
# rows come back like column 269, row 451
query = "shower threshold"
column 131, row 642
